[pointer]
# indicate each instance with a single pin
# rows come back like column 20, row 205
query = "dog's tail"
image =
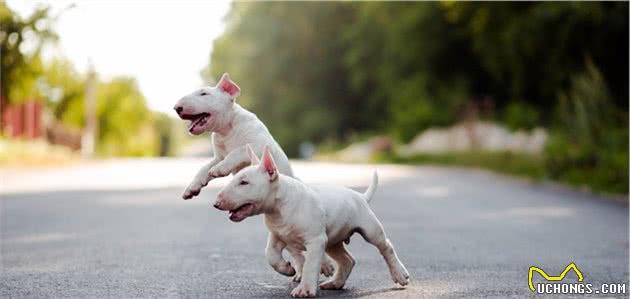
column 369, row 193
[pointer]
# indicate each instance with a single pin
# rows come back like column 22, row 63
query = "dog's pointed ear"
column 228, row 86
column 252, row 156
column 268, row 165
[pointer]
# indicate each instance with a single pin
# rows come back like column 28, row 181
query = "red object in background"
column 23, row 120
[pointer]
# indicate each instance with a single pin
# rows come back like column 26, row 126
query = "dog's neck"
column 279, row 196
column 228, row 123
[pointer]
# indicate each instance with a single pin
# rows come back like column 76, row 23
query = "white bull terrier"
column 307, row 219
column 213, row 109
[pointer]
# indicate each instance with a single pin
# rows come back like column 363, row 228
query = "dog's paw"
column 285, row 269
column 332, row 285
column 400, row 275
column 303, row 292
column 192, row 190
column 218, row 172
column 327, row 268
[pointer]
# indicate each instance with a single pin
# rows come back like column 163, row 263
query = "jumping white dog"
column 213, row 109
column 307, row 219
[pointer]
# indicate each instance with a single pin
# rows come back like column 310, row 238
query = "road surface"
column 119, row 229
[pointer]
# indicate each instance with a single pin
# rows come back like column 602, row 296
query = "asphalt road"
column 120, row 230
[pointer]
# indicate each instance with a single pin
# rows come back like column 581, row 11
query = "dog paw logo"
column 560, row 277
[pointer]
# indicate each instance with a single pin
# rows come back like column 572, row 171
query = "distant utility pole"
column 89, row 132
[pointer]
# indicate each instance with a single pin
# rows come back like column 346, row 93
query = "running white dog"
column 311, row 219
column 213, row 109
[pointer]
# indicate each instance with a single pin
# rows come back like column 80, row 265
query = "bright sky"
column 163, row 44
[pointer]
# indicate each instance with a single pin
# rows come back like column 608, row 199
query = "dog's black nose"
column 216, row 205
column 178, row 109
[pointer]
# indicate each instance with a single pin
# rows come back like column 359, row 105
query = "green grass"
column 528, row 166
column 523, row 165
column 29, row 153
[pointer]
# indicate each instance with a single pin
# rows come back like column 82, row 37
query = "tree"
column 124, row 121
column 320, row 71
column 290, row 70
column 64, row 88
column 21, row 41
column 531, row 50
column 410, row 64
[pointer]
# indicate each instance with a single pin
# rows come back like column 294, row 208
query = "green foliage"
column 409, row 63
column 324, row 72
column 291, row 75
column 319, row 71
column 168, row 134
column 588, row 146
column 21, row 40
column 125, row 124
column 520, row 115
column 590, row 137
column 124, row 121
column 529, row 50
column 64, row 87
column 525, row 165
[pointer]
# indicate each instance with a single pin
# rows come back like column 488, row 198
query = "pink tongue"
column 240, row 214
column 194, row 123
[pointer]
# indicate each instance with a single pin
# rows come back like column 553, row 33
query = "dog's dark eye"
column 203, row 93
column 243, row 183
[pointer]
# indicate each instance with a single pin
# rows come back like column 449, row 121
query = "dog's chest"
column 290, row 234
column 230, row 143
column 226, row 145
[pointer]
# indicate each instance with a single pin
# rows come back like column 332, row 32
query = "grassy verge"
column 23, row 153
column 534, row 167
column 523, row 165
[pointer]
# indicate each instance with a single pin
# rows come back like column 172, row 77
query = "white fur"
column 232, row 128
column 307, row 219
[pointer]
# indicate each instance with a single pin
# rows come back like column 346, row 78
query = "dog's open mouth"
column 196, row 120
column 241, row 212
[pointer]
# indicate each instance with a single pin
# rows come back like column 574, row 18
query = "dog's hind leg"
column 345, row 263
column 328, row 266
column 373, row 232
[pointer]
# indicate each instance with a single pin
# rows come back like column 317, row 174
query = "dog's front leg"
column 312, row 265
column 200, row 180
column 298, row 263
column 274, row 256
column 233, row 162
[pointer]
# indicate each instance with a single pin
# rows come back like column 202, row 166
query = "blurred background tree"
column 126, row 126
column 329, row 71
column 291, row 52
column 589, row 146
column 344, row 68
column 124, row 121
column 21, row 42
column 64, row 87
